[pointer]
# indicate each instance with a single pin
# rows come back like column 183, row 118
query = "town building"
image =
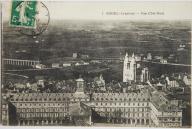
column 55, row 65
column 100, row 82
column 145, row 75
column 163, row 61
column 8, row 113
column 129, row 69
column 123, row 108
column 66, row 64
column 164, row 113
column 172, row 82
column 75, row 55
column 138, row 105
column 45, row 108
column 149, row 56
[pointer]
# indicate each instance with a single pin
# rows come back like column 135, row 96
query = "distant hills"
column 98, row 38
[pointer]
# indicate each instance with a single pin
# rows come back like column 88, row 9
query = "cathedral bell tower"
column 129, row 69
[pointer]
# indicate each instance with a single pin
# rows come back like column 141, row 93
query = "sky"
column 101, row 10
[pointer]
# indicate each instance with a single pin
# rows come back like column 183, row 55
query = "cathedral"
column 129, row 68
column 133, row 73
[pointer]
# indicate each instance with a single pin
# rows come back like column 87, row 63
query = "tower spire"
column 126, row 55
column 133, row 55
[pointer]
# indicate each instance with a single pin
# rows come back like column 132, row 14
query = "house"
column 55, row 65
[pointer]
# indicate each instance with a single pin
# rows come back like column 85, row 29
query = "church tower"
column 129, row 69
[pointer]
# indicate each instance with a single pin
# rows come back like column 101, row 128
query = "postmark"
column 23, row 14
column 39, row 19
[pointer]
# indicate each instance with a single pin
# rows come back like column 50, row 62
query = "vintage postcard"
column 98, row 64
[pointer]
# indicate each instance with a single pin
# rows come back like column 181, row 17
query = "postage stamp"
column 41, row 20
column 23, row 14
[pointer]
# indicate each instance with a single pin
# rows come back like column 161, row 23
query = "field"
column 99, row 39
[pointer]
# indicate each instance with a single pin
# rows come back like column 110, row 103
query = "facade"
column 46, row 108
column 165, row 112
column 149, row 56
column 75, row 55
column 55, row 65
column 123, row 108
column 100, row 82
column 8, row 113
column 131, row 109
column 144, row 75
column 129, row 69
column 172, row 82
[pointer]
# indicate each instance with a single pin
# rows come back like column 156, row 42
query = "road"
column 168, row 63
column 16, row 75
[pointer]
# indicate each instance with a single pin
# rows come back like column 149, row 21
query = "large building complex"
column 144, row 107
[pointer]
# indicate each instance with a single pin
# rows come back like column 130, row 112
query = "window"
column 128, row 65
column 3, row 105
column 4, row 112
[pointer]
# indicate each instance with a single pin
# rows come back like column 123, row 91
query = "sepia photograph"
column 94, row 68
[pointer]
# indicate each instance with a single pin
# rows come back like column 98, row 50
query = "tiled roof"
column 44, row 97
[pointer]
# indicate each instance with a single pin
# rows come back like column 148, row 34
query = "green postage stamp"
column 23, row 14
